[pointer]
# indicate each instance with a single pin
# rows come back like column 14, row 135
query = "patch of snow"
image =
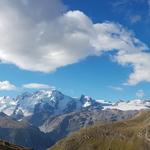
column 87, row 104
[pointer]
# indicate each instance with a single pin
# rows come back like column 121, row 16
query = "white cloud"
column 140, row 94
column 117, row 88
column 37, row 86
column 42, row 36
column 6, row 86
column 141, row 66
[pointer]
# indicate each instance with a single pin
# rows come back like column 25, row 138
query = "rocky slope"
column 132, row 134
column 61, row 126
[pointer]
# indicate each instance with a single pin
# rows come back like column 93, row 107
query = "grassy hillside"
column 133, row 134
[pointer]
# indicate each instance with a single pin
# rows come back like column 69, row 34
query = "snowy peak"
column 40, row 96
column 86, row 101
column 40, row 101
column 51, row 101
column 7, row 105
column 25, row 103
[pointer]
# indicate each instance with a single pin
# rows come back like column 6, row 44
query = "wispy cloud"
column 8, row 86
column 37, row 86
column 116, row 88
column 118, row 3
column 135, row 18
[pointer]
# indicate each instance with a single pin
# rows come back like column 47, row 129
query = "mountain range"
column 56, row 103
column 39, row 119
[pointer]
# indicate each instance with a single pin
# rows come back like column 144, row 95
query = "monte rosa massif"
column 57, row 103
column 38, row 120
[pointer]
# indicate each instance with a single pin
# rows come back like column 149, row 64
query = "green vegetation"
column 130, row 134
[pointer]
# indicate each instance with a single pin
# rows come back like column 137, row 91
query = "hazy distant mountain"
column 136, row 104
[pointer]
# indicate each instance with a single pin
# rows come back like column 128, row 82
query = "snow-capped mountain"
column 136, row 104
column 51, row 101
column 54, row 102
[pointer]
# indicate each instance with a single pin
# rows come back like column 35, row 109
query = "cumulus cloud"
column 37, row 86
column 140, row 63
column 43, row 36
column 6, row 86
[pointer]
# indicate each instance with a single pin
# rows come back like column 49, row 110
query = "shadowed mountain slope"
column 22, row 133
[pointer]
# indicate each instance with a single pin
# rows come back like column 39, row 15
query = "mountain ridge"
column 131, row 134
column 55, row 102
column 52, row 101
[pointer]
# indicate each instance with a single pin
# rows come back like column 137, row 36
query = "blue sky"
column 91, row 66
